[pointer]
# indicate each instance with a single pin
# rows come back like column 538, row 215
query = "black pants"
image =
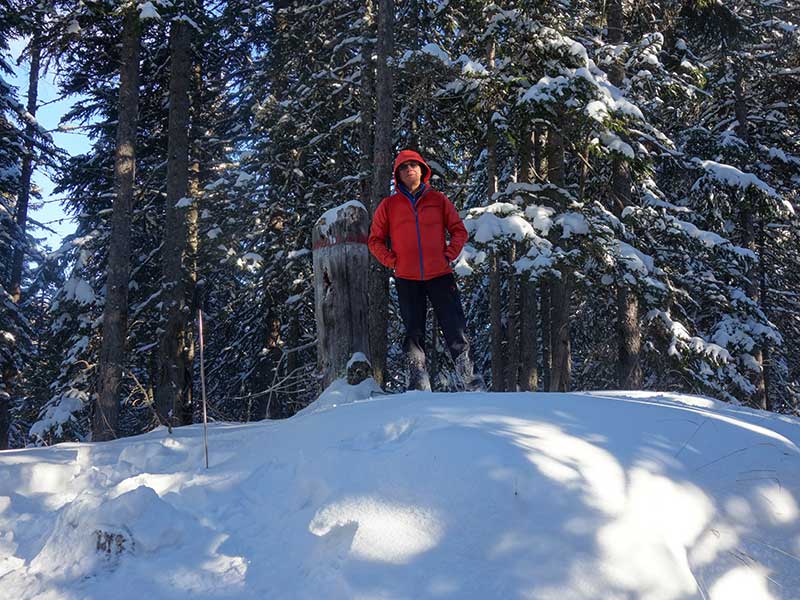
column 443, row 294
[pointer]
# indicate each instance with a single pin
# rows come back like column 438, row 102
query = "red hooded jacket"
column 417, row 232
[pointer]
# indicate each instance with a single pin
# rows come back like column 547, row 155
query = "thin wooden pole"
column 203, row 383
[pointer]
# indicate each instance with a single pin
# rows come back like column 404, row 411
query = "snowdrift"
column 419, row 495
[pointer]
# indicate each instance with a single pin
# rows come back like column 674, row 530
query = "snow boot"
column 417, row 377
column 465, row 376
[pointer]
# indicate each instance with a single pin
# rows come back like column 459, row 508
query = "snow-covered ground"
column 595, row 496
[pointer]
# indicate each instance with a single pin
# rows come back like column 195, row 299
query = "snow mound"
column 97, row 531
column 339, row 393
column 419, row 495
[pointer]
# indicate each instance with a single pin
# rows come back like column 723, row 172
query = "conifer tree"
column 173, row 388
column 382, row 160
column 115, row 315
column 12, row 323
column 24, row 146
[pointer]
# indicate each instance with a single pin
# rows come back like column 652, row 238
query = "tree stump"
column 341, row 266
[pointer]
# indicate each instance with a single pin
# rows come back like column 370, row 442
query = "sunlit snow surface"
column 565, row 496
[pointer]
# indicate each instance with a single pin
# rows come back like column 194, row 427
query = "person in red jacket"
column 415, row 221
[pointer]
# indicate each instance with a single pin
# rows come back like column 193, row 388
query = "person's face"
column 410, row 173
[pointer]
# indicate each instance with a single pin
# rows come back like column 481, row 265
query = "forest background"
column 627, row 171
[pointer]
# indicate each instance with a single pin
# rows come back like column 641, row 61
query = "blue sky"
column 51, row 212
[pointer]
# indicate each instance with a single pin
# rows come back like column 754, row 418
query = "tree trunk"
column 527, row 166
column 529, row 338
column 340, row 257
column 748, row 223
column 367, row 127
column 629, row 335
column 7, row 375
column 540, row 141
column 491, row 164
column 279, row 48
column 269, row 357
column 752, row 288
column 529, row 334
column 560, row 377
column 293, row 333
column 23, row 197
column 378, row 276
column 496, row 322
column 191, row 410
column 196, row 177
column 547, row 338
column 512, row 325
column 763, row 299
column 8, row 370
column 539, row 136
column 496, row 263
column 615, row 21
column 177, row 274
column 115, row 312
column 560, row 287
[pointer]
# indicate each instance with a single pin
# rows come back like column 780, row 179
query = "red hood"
column 406, row 155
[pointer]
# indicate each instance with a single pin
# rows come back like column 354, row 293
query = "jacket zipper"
column 419, row 236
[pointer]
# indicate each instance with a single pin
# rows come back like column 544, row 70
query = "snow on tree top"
column 680, row 336
column 614, row 143
column 79, row 290
column 572, row 223
column 730, row 175
column 471, row 67
column 710, row 239
column 496, row 222
column 186, row 19
column 634, row 259
column 436, row 51
column 608, row 98
column 596, row 110
column 148, row 11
